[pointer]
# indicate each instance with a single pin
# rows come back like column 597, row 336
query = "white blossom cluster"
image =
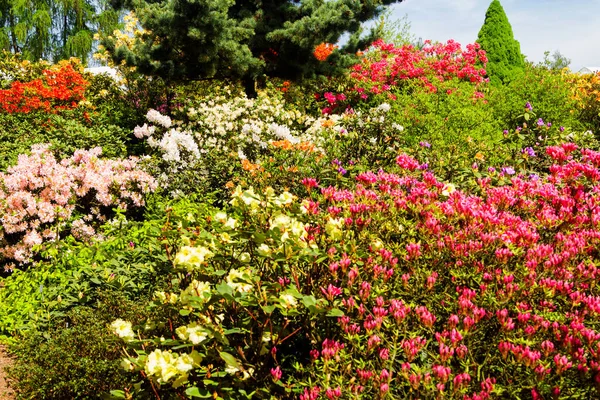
column 157, row 118
column 173, row 142
column 237, row 123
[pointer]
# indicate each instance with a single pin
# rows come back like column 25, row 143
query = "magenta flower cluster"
column 482, row 290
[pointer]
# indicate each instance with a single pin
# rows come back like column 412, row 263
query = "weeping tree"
column 247, row 40
column 53, row 29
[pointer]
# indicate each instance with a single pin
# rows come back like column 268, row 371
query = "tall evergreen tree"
column 53, row 29
column 505, row 60
column 246, row 39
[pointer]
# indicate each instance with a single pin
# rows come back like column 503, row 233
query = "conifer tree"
column 505, row 60
column 244, row 39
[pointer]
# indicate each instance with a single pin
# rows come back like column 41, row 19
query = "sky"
column 569, row 26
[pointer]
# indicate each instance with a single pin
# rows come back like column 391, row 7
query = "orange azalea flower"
column 323, row 51
column 327, row 124
column 285, row 86
column 306, row 146
column 248, row 166
column 58, row 89
column 287, row 145
column 282, row 144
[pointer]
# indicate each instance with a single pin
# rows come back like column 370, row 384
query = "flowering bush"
column 60, row 87
column 549, row 91
column 227, row 271
column 454, row 295
column 40, row 197
column 384, row 67
column 219, row 134
column 398, row 245
column 585, row 91
column 385, row 64
column 14, row 68
column 399, row 286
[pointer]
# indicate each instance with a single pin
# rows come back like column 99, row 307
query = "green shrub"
column 70, row 273
column 66, row 132
column 76, row 357
column 549, row 91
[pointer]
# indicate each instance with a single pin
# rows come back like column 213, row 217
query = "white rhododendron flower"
column 143, row 131
column 264, row 250
column 196, row 289
column 157, row 118
column 289, row 300
column 448, row 189
column 192, row 257
column 174, row 141
column 384, row 107
column 235, row 280
column 193, row 332
column 247, row 197
column 230, row 369
column 165, row 365
column 221, row 217
column 123, row 329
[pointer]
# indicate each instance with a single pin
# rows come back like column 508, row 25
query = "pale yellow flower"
column 123, row 329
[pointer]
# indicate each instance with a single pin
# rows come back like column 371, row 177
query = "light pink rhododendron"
column 40, row 195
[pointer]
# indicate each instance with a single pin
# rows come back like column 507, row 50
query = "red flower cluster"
column 55, row 90
column 387, row 65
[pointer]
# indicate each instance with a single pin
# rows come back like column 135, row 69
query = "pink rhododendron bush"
column 396, row 286
column 386, row 69
column 42, row 198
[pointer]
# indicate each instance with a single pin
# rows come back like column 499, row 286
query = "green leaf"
column 309, row 301
column 195, row 392
column 268, row 309
column 229, row 359
column 225, row 290
column 184, row 312
column 335, row 312
column 118, row 394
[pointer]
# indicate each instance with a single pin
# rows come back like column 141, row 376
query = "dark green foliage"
column 65, row 133
column 505, row 61
column 219, row 39
column 115, row 106
column 78, row 357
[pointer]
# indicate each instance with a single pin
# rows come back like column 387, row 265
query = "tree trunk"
column 249, row 87
column 12, row 32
